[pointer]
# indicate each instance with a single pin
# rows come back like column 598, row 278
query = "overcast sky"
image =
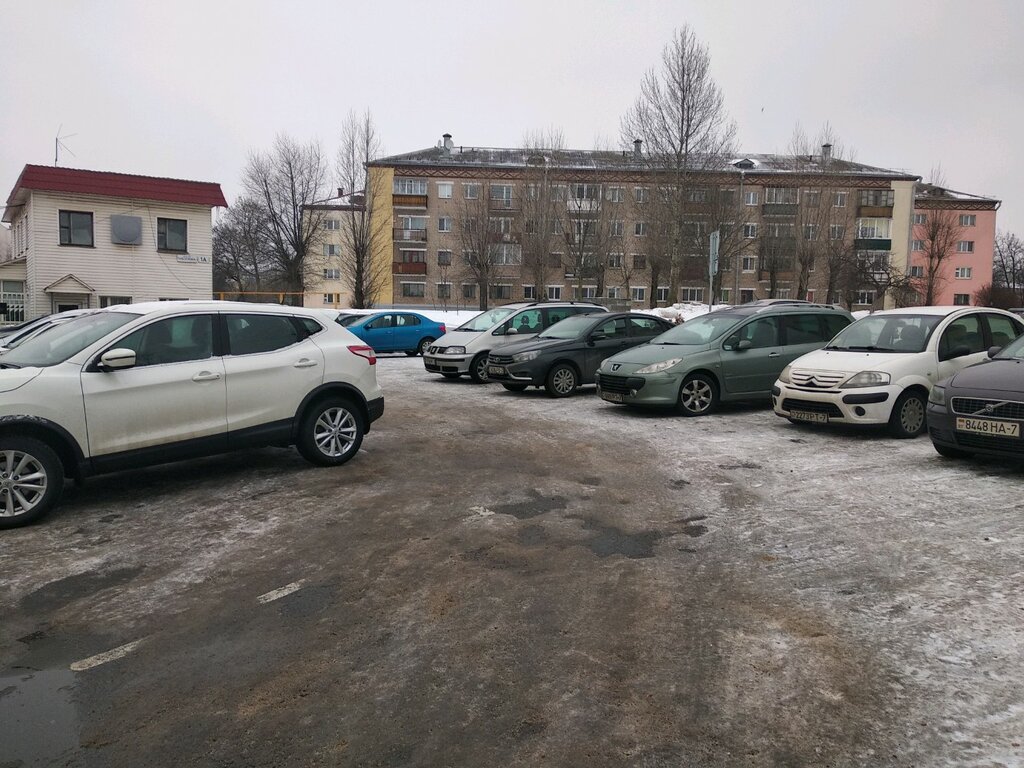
column 188, row 89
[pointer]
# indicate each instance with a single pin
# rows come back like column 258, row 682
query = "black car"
column 568, row 353
column 980, row 409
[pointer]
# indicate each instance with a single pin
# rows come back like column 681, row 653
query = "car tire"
column 562, row 380
column 26, row 498
column 451, row 375
column 424, row 346
column 331, row 432
column 908, row 416
column 951, row 453
column 515, row 387
column 478, row 369
column 698, row 395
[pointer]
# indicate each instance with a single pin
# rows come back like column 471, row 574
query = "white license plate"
column 817, row 418
column 988, row 427
column 495, row 370
column 612, row 397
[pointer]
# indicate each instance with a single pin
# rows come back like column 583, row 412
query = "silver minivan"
column 465, row 349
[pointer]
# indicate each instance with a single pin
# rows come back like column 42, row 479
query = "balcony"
column 503, row 237
column 779, row 209
column 409, row 201
column 408, row 268
column 874, row 211
column 582, row 205
column 872, row 244
column 410, row 235
column 503, row 204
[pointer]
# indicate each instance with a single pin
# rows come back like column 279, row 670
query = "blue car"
column 394, row 331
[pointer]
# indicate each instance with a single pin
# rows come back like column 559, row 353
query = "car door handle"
column 773, row 354
column 305, row 363
column 206, row 376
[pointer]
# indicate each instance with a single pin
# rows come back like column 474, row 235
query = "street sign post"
column 712, row 266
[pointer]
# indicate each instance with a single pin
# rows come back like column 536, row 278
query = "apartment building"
column 326, row 282
column 623, row 227
column 953, row 244
column 91, row 239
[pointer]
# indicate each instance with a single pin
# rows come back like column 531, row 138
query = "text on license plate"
column 988, row 427
column 820, row 418
column 496, row 370
column 612, row 397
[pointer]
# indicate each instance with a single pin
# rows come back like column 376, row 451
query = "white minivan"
column 880, row 369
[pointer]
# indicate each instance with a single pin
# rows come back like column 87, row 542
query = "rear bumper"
column 374, row 410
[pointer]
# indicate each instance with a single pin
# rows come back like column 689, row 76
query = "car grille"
column 816, row 379
column 985, row 442
column 620, row 384
column 974, row 406
column 499, row 359
column 792, row 404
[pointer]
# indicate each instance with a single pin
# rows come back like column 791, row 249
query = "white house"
column 91, row 238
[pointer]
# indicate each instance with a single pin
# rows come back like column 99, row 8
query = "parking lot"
column 507, row 579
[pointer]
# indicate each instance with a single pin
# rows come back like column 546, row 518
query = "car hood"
column 12, row 378
column 993, row 376
column 845, row 361
column 458, row 338
column 654, row 353
column 528, row 345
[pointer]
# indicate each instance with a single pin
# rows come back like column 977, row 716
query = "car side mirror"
column 993, row 351
column 117, row 359
column 597, row 336
column 744, row 345
column 512, row 331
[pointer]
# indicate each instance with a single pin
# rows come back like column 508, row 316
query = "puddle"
column 538, row 505
column 612, row 541
column 38, row 718
column 61, row 592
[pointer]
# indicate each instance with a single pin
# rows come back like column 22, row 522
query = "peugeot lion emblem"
column 616, row 366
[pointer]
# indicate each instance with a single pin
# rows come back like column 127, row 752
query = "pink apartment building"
column 962, row 225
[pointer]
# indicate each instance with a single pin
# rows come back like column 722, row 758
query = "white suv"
column 142, row 384
column 465, row 349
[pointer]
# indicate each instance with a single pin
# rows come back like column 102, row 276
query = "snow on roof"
column 927, row 192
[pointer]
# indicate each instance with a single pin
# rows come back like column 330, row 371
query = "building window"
column 413, row 290
column 614, row 194
column 444, row 258
column 780, row 196
column 640, row 194
column 917, row 271
column 698, row 195
column 444, row 190
column 615, row 260
column 501, row 291
column 962, row 273
column 874, row 229
column 968, row 219
column 746, row 295
column 501, row 195
column 749, row 263
column 691, row 294
column 920, row 218
column 640, row 229
column 865, row 297
column 530, row 292
column 812, row 198
column 750, row 197
column 506, row 254
column 637, row 292
column 554, row 292
column 839, row 200
column 783, row 293
column 75, row 228
column 332, row 274
column 332, row 224
column 110, row 301
column 444, row 290
column 559, row 192
column 444, row 224
column 412, row 257
column 501, row 225
column 639, row 261
column 330, row 249
column 961, row 299
column 556, row 227
column 471, row 191
column 618, row 228
column 876, row 197
column 750, row 231
column 661, row 293
column 781, row 229
column 330, row 298
column 917, row 245
column 836, row 231
column 726, row 294
column 469, row 290
column 810, row 295
column 965, row 246
column 614, row 292
column 810, row 231
column 172, row 235
column 410, row 187
column 555, row 260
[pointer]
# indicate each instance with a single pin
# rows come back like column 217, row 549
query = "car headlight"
column 784, row 376
column 523, row 357
column 455, row 351
column 937, row 395
column 664, row 365
column 866, row 379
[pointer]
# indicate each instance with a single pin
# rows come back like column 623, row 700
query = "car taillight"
column 443, row 328
column 366, row 352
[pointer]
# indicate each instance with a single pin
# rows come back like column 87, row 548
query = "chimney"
column 447, row 142
column 636, row 147
column 341, row 191
column 826, row 153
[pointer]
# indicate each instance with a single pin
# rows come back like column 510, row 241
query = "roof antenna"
column 58, row 145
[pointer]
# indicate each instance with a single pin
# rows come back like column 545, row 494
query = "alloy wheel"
column 23, row 483
column 335, row 432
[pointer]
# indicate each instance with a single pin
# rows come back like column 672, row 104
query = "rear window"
column 252, row 334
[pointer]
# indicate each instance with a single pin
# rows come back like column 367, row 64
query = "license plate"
column 611, row 397
column 817, row 418
column 495, row 370
column 988, row 427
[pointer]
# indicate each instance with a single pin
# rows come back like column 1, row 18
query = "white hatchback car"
column 880, row 369
column 141, row 384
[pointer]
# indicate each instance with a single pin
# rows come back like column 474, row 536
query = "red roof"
column 51, row 179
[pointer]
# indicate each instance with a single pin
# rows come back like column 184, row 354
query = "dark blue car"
column 393, row 331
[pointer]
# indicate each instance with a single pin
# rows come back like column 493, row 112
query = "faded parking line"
column 103, row 658
column 276, row 594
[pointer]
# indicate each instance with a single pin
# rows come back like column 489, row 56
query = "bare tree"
column 939, row 235
column 542, row 214
column 286, row 180
column 242, row 249
column 365, row 224
column 481, row 224
column 1008, row 265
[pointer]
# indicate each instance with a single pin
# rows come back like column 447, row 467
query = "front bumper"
column 446, row 363
column 942, row 431
column 867, row 405
column 655, row 389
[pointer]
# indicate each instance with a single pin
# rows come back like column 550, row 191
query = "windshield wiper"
column 871, row 348
column 9, row 365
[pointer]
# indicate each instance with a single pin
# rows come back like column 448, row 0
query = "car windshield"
column 62, row 341
column 570, row 328
column 902, row 334
column 699, row 330
column 486, row 320
column 1013, row 351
